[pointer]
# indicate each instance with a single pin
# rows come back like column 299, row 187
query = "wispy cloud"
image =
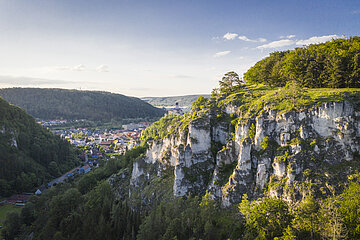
column 28, row 81
column 246, row 39
column 277, row 44
column 261, row 39
column 102, row 68
column 80, row 67
column 355, row 12
column 316, row 39
column 288, row 36
column 221, row 54
column 230, row 36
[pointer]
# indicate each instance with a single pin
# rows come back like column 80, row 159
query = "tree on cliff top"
column 229, row 82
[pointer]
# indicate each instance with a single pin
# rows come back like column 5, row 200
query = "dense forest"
column 334, row 64
column 73, row 104
column 30, row 155
column 88, row 208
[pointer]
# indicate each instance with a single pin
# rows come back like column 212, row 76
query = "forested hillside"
column 251, row 162
column 30, row 155
column 334, row 64
column 73, row 104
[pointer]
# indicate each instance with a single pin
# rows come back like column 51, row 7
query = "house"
column 38, row 192
column 18, row 199
column 106, row 143
column 85, row 169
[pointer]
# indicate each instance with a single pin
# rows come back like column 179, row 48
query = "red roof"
column 106, row 142
column 86, row 167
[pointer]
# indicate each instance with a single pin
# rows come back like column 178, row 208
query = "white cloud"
column 355, row 12
column 28, row 81
column 246, row 39
column 102, row 68
column 315, row 39
column 230, row 36
column 277, row 44
column 80, row 67
column 288, row 36
column 221, row 54
column 262, row 40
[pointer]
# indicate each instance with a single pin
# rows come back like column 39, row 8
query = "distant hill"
column 30, row 155
column 169, row 102
column 73, row 104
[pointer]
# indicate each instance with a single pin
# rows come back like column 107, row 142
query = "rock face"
column 269, row 151
column 187, row 153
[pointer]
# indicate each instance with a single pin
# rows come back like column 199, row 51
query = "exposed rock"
column 334, row 127
column 279, row 166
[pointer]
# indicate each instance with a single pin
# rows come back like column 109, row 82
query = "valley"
column 274, row 155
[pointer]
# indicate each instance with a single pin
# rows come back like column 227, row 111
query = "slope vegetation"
column 73, row 104
column 334, row 64
column 30, row 155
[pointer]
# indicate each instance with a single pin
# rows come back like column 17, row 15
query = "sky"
column 156, row 48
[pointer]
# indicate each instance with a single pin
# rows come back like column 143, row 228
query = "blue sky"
column 156, row 48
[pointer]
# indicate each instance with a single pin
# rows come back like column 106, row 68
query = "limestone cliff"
column 275, row 153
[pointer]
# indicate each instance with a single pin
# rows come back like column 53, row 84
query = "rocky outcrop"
column 187, row 152
column 267, row 152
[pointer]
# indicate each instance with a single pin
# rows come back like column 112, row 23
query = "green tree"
column 349, row 207
column 4, row 188
column 332, row 64
column 266, row 219
column 229, row 81
column 199, row 103
column 86, row 183
column 306, row 221
column 331, row 219
column 12, row 226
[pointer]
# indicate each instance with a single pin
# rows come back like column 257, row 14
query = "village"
column 103, row 140
column 94, row 145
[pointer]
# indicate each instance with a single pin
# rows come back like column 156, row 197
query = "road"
column 61, row 179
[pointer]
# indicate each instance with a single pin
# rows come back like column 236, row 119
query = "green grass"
column 251, row 99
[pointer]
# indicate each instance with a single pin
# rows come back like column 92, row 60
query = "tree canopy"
column 73, row 104
column 30, row 154
column 334, row 64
